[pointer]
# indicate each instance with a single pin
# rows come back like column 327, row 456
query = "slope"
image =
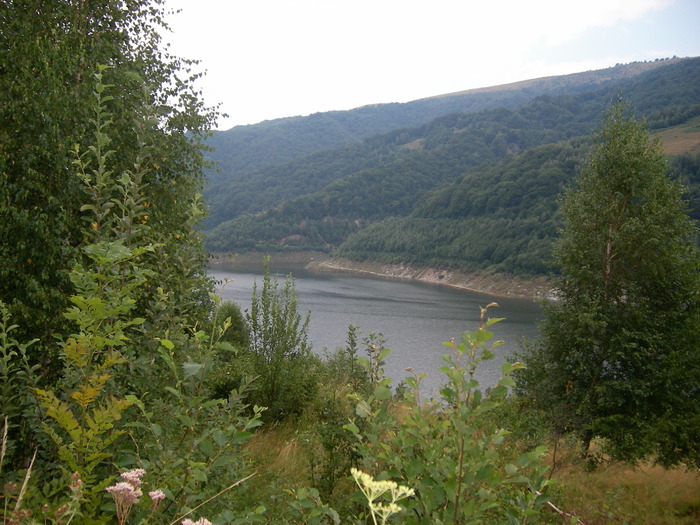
column 391, row 175
column 246, row 149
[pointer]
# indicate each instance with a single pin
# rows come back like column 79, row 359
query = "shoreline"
column 495, row 284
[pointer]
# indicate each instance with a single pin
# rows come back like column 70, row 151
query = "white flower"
column 200, row 521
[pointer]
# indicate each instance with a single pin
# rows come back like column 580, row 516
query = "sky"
column 267, row 59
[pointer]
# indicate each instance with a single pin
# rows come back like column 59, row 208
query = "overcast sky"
column 268, row 59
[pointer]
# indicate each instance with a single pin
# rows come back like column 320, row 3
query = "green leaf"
column 173, row 391
column 167, row 344
column 381, row 393
column 352, row 427
column 384, row 353
column 191, row 369
column 226, row 347
column 220, row 437
column 363, row 409
column 507, row 381
column 206, row 446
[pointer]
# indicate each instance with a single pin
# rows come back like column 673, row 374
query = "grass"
column 618, row 493
column 280, row 463
column 613, row 493
column 684, row 138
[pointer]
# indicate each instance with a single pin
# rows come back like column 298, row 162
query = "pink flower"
column 124, row 493
column 156, row 495
column 134, row 476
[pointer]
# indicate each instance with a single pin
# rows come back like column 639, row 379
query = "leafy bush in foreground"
column 448, row 451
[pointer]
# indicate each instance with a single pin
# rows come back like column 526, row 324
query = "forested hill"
column 245, row 149
column 402, row 196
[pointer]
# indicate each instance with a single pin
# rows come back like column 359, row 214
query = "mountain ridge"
column 368, row 200
column 615, row 72
column 245, row 149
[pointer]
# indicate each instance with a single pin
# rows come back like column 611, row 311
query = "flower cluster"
column 200, row 521
column 128, row 493
column 374, row 489
column 133, row 477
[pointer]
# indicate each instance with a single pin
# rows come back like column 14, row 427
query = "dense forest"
column 395, row 197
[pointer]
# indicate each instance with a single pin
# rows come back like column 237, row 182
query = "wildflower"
column 386, row 511
column 156, row 495
column 76, row 485
column 200, row 521
column 60, row 511
column 125, row 492
column 10, row 488
column 125, row 495
column 134, row 477
column 374, row 489
column 20, row 515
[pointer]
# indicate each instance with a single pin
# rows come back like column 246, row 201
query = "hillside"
column 376, row 199
column 584, row 80
column 246, row 149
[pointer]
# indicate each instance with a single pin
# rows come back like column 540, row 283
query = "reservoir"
column 414, row 318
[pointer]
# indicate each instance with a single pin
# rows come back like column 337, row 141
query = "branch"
column 561, row 512
column 213, row 497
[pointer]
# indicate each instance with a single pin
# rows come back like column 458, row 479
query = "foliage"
column 625, row 324
column 280, row 353
column 82, row 421
column 330, row 448
column 146, row 382
column 447, row 451
column 261, row 165
column 85, row 417
column 230, row 320
column 232, row 362
column 53, row 49
column 189, row 442
column 501, row 217
column 343, row 366
column 17, row 376
column 308, row 507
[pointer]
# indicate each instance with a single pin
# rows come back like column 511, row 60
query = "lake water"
column 414, row 318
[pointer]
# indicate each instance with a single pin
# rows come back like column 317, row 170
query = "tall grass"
column 615, row 492
column 612, row 493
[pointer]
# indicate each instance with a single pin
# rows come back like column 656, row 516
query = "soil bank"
column 497, row 284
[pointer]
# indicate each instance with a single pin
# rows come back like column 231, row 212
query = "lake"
column 414, row 318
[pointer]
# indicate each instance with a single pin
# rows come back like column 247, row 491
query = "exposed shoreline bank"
column 501, row 285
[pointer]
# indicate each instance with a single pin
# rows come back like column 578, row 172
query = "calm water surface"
column 414, row 318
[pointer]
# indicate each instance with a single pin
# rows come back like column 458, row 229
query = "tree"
column 49, row 52
column 618, row 353
column 279, row 347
